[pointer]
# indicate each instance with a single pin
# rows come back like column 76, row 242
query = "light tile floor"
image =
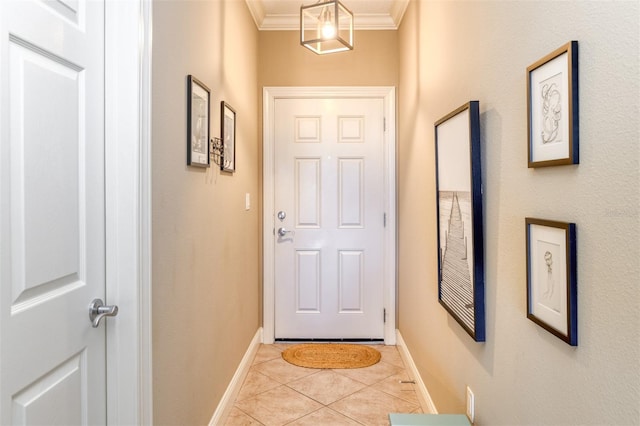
column 278, row 393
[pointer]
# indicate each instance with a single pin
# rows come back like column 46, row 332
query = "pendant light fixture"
column 326, row 27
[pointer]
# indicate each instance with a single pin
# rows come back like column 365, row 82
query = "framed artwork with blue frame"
column 459, row 210
column 552, row 287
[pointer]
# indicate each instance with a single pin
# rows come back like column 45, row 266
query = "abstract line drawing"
column 551, row 112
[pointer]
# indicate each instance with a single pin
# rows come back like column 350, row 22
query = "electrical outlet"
column 471, row 404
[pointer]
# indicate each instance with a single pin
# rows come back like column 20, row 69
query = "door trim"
column 269, row 96
column 128, row 210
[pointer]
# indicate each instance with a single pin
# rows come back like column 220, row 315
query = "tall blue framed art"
column 459, row 209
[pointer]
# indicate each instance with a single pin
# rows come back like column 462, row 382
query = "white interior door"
column 329, row 200
column 52, row 220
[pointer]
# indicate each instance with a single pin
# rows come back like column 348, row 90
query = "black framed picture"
column 228, row 135
column 552, row 108
column 552, row 287
column 459, row 209
column 198, row 119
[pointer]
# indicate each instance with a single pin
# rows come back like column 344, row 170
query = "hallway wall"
column 453, row 52
column 205, row 276
column 372, row 62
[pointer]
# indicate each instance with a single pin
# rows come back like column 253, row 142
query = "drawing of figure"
column 548, row 292
column 550, row 296
column 551, row 112
column 228, row 133
column 199, row 123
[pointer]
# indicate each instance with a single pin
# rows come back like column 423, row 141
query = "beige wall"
column 453, row 52
column 205, row 255
column 284, row 62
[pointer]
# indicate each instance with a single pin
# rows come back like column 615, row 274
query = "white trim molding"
column 428, row 407
column 145, row 351
column 128, row 210
column 388, row 95
column 290, row 19
column 227, row 400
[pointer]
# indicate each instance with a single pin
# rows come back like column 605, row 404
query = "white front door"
column 52, row 219
column 329, row 200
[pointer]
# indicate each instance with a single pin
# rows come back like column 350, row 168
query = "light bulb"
column 328, row 30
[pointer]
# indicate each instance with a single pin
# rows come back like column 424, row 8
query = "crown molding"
column 361, row 21
column 280, row 23
column 398, row 8
column 256, row 9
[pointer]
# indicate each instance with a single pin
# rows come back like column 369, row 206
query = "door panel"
column 56, row 398
column 351, row 195
column 307, row 278
column 52, row 242
column 45, row 185
column 351, row 284
column 329, row 180
column 308, row 189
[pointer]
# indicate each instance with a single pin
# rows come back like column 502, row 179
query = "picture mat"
column 548, row 290
column 199, row 124
column 229, row 139
column 552, row 72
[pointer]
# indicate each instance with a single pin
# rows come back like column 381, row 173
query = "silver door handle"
column 282, row 232
column 98, row 310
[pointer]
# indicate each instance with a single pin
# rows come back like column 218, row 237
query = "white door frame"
column 128, row 210
column 269, row 96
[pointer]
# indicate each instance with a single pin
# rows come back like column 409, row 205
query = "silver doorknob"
column 98, row 310
column 282, row 232
column 281, row 215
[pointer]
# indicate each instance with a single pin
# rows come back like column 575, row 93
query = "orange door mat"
column 331, row 355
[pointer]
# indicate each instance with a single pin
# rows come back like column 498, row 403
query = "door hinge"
column 384, row 124
column 384, row 315
column 384, row 220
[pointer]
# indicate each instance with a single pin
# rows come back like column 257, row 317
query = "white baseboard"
column 226, row 403
column 423, row 395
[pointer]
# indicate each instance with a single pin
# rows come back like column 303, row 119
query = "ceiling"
column 367, row 14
